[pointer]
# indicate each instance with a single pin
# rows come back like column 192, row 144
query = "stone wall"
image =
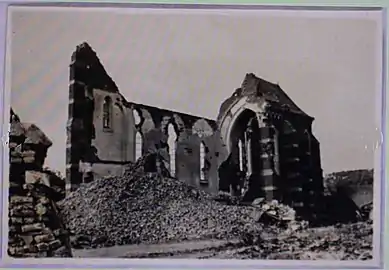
column 278, row 154
column 103, row 131
column 35, row 225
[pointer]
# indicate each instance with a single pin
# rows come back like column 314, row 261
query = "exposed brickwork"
column 35, row 225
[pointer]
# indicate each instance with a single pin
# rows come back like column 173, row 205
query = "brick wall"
column 35, row 224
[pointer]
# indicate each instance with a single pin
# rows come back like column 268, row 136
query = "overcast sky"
column 191, row 62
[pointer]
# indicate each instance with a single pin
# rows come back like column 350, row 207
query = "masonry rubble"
column 35, row 225
column 146, row 207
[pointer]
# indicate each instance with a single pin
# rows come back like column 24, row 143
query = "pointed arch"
column 241, row 154
column 138, row 145
column 107, row 112
column 172, row 142
column 137, row 117
column 202, row 163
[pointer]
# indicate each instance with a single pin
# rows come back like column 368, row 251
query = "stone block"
column 35, row 255
column 23, row 207
column 15, row 154
column 28, row 159
column 33, row 177
column 22, row 213
column 18, row 250
column 29, row 220
column 16, row 159
column 28, row 153
column 44, row 238
column 28, row 187
column 43, row 246
column 12, row 144
column 32, row 227
column 16, row 220
column 55, row 244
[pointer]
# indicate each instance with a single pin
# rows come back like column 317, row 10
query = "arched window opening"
column 203, row 177
column 172, row 141
column 137, row 117
column 107, row 112
column 241, row 153
column 138, row 145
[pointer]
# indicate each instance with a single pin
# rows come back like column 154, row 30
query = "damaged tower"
column 259, row 129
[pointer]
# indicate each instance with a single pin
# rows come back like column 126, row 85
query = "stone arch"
column 137, row 116
column 138, row 145
column 107, row 112
column 241, row 155
column 228, row 121
column 172, row 142
column 203, row 177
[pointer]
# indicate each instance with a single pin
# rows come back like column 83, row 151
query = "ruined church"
column 259, row 130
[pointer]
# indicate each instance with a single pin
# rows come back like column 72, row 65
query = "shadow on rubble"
column 333, row 208
column 338, row 207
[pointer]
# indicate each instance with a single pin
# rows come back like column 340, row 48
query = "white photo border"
column 379, row 172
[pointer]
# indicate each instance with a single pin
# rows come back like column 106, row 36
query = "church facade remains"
column 259, row 128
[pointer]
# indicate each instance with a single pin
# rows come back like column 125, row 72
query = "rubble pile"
column 35, row 225
column 142, row 207
column 341, row 242
column 273, row 211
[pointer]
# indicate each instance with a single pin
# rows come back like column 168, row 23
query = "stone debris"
column 340, row 242
column 144, row 207
column 273, row 211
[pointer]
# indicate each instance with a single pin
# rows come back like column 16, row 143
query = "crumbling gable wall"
column 35, row 224
column 103, row 134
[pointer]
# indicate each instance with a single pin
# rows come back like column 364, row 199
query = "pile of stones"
column 146, row 207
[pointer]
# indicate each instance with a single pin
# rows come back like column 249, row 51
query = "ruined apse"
column 259, row 126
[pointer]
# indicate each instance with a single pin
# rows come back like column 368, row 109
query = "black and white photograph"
column 194, row 133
